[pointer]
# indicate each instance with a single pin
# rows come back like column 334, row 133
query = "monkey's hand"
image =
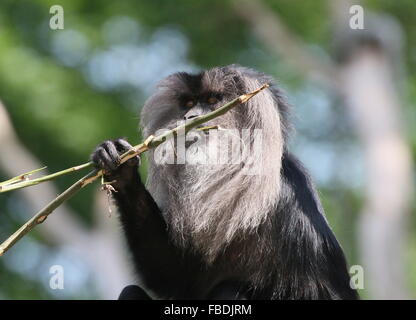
column 107, row 157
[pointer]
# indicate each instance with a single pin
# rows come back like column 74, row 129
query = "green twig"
column 19, row 178
column 20, row 181
column 150, row 142
column 42, row 214
column 5, row 187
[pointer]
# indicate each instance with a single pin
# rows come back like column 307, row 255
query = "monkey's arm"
column 163, row 269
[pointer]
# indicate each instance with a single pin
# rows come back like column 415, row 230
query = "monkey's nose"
column 194, row 112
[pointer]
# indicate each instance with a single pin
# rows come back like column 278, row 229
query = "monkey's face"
column 182, row 97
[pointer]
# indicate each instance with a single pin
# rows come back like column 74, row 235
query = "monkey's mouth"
column 188, row 143
column 202, row 130
column 191, row 139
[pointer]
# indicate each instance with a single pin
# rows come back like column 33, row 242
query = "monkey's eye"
column 212, row 100
column 190, row 103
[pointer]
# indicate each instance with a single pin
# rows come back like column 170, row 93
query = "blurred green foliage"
column 61, row 109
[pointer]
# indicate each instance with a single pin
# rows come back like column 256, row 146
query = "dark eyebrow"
column 215, row 94
column 192, row 81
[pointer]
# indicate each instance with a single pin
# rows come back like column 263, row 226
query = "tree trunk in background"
column 370, row 95
column 368, row 82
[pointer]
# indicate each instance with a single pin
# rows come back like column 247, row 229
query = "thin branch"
column 98, row 246
column 150, row 142
column 43, row 214
column 8, row 185
column 20, row 177
column 5, row 187
column 21, row 181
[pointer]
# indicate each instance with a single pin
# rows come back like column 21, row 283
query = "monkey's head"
column 182, row 96
column 206, row 200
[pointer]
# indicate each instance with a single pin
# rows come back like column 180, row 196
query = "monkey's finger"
column 103, row 160
column 112, row 151
column 123, row 146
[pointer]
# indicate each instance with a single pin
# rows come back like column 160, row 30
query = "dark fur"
column 292, row 254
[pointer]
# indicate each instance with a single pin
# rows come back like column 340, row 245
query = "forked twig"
column 149, row 143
